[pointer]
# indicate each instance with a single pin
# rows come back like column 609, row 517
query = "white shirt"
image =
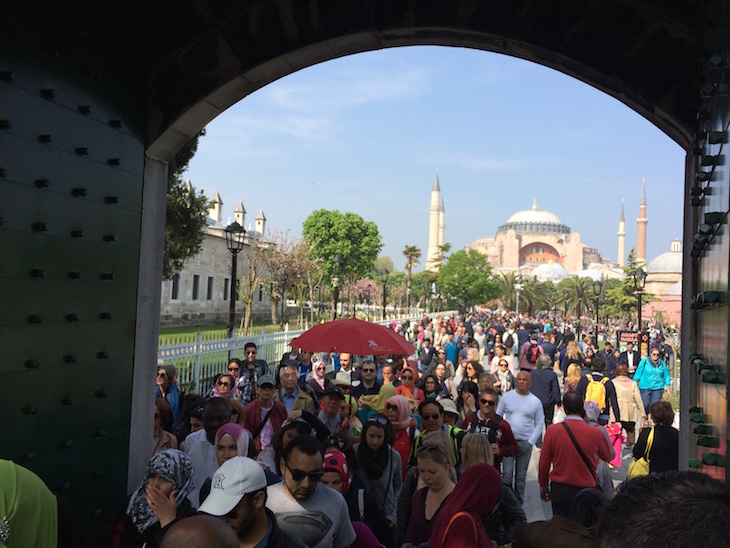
column 205, row 463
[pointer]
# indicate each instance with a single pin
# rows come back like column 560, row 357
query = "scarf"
column 377, row 402
column 335, row 461
column 232, row 393
column 174, row 466
column 238, row 433
column 404, row 412
column 173, row 398
column 373, row 465
column 654, row 363
column 406, row 391
column 28, row 509
column 319, row 380
column 476, row 494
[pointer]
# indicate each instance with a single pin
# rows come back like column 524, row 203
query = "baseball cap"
column 235, row 478
column 266, row 379
column 333, row 390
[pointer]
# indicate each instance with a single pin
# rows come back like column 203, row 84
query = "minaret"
column 442, row 220
column 239, row 214
column 215, row 207
column 260, row 222
column 432, row 256
column 641, row 229
column 622, row 237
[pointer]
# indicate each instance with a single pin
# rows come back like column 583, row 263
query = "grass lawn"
column 174, row 335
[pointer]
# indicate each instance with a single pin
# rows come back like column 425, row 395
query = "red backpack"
column 533, row 352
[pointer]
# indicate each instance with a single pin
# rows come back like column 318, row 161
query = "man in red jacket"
column 264, row 416
column 573, row 459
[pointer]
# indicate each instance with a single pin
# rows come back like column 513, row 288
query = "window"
column 175, row 291
column 226, row 288
column 196, row 286
column 209, row 292
column 261, row 293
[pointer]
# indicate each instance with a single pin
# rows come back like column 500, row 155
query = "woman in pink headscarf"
column 398, row 411
column 319, row 382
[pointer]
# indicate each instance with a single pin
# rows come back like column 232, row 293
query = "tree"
column 380, row 263
column 331, row 233
column 443, row 249
column 507, row 293
column 250, row 282
column 412, row 255
column 467, row 276
column 622, row 298
column 187, row 211
column 281, row 270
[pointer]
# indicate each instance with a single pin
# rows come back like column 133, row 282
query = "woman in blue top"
column 653, row 377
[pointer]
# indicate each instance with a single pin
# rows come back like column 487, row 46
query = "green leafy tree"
column 380, row 263
column 507, row 293
column 412, row 255
column 187, row 211
column 467, row 277
column 622, row 298
column 580, row 291
column 331, row 233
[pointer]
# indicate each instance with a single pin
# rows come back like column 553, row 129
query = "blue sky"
column 366, row 133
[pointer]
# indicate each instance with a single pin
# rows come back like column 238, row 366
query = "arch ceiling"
column 645, row 54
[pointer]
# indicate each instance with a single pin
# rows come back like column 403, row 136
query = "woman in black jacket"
column 664, row 452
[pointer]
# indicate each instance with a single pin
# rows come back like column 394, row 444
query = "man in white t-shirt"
column 313, row 513
column 524, row 413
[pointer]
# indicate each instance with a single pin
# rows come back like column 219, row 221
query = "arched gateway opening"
column 96, row 100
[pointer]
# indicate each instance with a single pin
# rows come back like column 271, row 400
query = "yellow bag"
column 640, row 467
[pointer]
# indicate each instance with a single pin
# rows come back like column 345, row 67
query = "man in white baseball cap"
column 238, row 497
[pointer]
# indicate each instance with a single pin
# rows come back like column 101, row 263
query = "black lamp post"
column 339, row 261
column 235, row 235
column 384, row 277
column 282, row 286
column 597, row 288
column 639, row 283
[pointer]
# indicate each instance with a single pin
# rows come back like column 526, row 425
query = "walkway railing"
column 199, row 361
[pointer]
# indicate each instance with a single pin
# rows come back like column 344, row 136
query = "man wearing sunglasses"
column 315, row 514
column 432, row 420
column 369, row 382
column 497, row 430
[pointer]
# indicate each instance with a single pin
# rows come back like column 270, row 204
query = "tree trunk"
column 246, row 320
column 274, row 311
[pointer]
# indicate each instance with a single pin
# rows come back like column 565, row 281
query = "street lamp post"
column 597, row 287
column 235, row 235
column 336, row 283
column 384, row 277
column 639, row 283
column 518, row 287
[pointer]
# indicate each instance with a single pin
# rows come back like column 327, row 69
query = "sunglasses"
column 321, row 368
column 407, row 377
column 490, row 403
column 224, row 383
column 314, row 477
column 161, row 375
column 338, row 442
column 442, row 352
column 391, row 407
column 431, row 417
column 430, row 448
column 368, row 370
column 380, row 420
column 249, row 352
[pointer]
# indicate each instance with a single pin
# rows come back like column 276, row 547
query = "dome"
column 594, row 275
column 535, row 220
column 553, row 272
column 670, row 262
column 675, row 289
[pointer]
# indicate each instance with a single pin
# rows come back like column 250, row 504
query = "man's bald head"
column 200, row 532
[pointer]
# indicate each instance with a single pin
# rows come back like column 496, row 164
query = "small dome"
column 670, row 262
column 675, row 289
column 535, row 220
column 594, row 275
column 553, row 272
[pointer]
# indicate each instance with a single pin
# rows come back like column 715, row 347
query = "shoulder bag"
column 591, row 469
column 640, row 466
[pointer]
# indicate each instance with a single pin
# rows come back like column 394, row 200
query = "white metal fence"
column 199, row 361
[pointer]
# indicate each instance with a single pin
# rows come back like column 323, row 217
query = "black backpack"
column 477, row 428
column 509, row 342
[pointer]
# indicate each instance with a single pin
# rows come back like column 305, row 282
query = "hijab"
column 409, row 392
column 320, row 380
column 404, row 412
column 335, row 461
column 28, row 509
column 238, row 433
column 377, row 401
column 174, row 466
column 232, row 393
column 592, row 411
column 476, row 494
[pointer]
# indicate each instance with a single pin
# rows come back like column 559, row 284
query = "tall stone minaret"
column 622, row 237
column 442, row 219
column 433, row 225
column 239, row 214
column 216, row 204
column 641, row 229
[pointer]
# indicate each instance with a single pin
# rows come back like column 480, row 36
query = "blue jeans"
column 649, row 397
column 517, row 466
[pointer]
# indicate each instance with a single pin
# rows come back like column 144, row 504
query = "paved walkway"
column 537, row 510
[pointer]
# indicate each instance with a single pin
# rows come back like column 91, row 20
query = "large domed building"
column 535, row 237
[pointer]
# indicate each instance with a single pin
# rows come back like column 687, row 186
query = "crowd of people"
column 430, row 448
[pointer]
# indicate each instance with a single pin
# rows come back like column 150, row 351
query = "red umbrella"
column 354, row 337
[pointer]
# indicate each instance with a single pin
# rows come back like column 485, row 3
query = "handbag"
column 640, row 466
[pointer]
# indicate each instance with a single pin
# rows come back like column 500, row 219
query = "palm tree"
column 443, row 249
column 507, row 281
column 412, row 254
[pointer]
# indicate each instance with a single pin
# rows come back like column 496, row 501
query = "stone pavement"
column 535, row 509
